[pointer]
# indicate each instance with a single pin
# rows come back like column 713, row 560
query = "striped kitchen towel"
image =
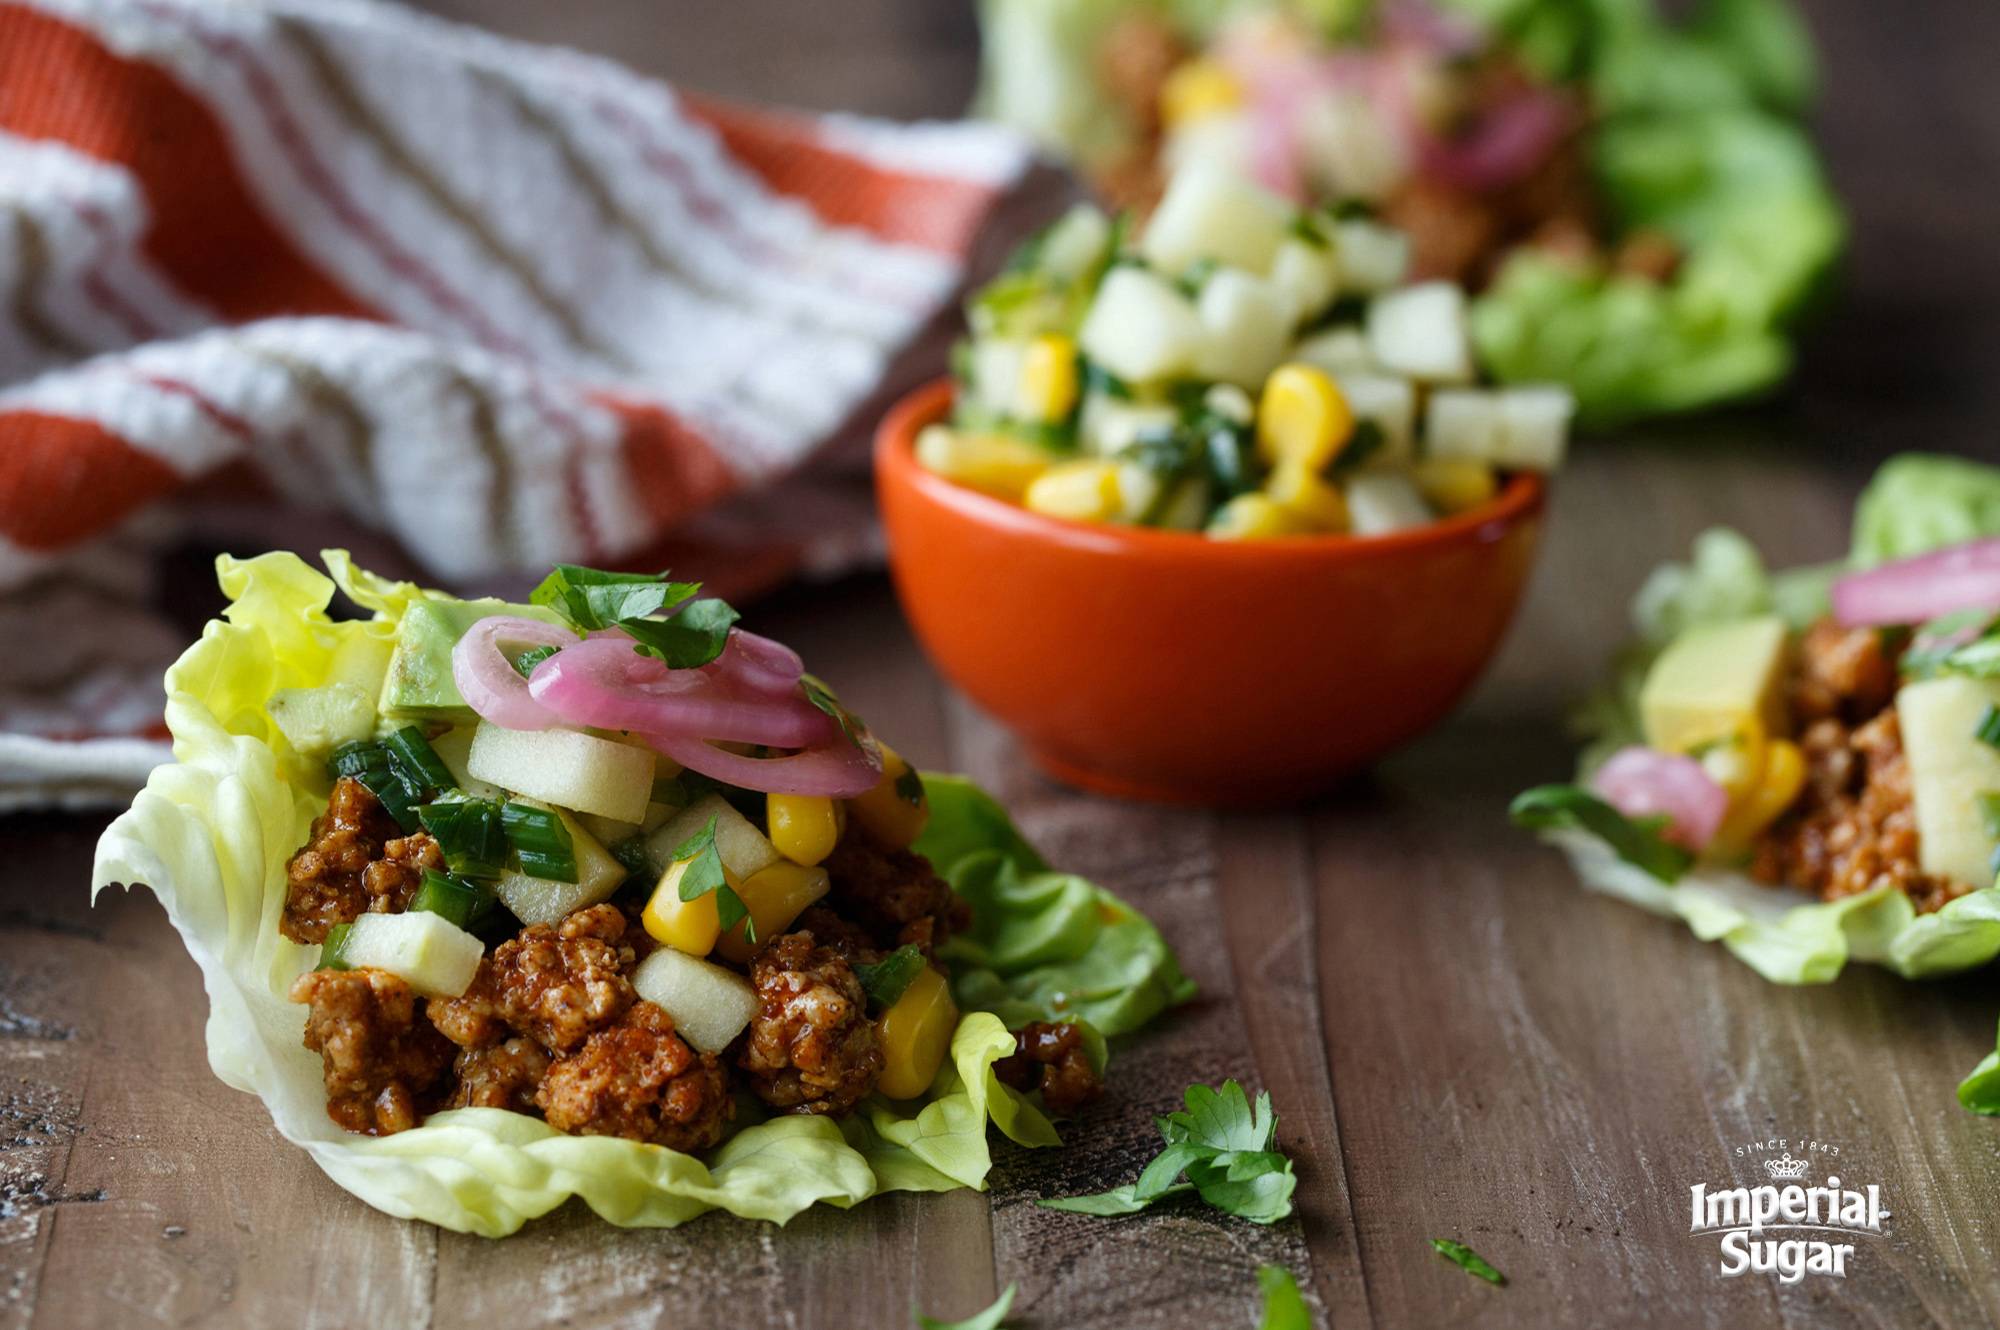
column 273, row 272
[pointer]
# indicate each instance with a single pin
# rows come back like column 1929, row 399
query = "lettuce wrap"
column 1696, row 134
column 1915, row 503
column 212, row 831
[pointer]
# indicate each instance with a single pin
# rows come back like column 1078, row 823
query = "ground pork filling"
column 552, row 1027
column 1854, row 825
column 1049, row 1056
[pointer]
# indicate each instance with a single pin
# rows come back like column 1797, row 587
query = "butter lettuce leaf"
column 1919, row 502
column 1980, row 1092
column 210, row 836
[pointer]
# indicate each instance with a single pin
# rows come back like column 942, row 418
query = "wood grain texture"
column 1461, row 1043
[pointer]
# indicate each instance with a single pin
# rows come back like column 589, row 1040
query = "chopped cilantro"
column 692, row 633
column 524, row 664
column 704, row 874
column 822, row 697
column 1284, row 1305
column 1467, row 1260
column 1637, row 841
column 888, row 979
column 988, row 1319
column 1988, row 731
column 910, row 787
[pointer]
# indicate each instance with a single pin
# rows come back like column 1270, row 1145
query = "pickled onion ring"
column 1929, row 586
column 603, row 682
column 1644, row 782
column 757, row 665
column 486, row 676
column 839, row 770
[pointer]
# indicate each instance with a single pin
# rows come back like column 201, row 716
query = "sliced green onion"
column 332, row 952
column 453, row 899
column 886, row 980
column 541, row 842
column 1989, row 728
column 356, row 758
column 471, row 833
column 416, row 761
column 635, row 855
column 371, row 764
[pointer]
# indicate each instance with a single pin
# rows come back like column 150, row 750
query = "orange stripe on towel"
column 206, row 232
column 63, row 479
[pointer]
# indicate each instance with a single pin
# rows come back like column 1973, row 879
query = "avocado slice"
column 418, row 685
column 1714, row 682
column 1950, row 767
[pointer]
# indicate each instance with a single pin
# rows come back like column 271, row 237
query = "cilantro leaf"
column 1988, row 730
column 1222, row 1145
column 693, row 636
column 1637, row 841
column 889, row 978
column 1467, row 1260
column 910, row 787
column 984, row 1320
column 591, row 598
column 524, row 664
column 1284, row 1305
column 704, row 874
column 822, row 697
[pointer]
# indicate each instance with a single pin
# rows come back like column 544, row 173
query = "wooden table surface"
column 1460, row 1042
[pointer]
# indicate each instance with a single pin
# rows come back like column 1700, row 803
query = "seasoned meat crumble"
column 896, row 896
column 640, row 1080
column 1049, row 1056
column 811, row 1046
column 383, row 1061
column 357, row 861
column 1854, row 825
column 556, row 985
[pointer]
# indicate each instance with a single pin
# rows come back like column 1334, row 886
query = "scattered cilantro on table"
column 1284, row 1305
column 985, row 1320
column 1467, row 1260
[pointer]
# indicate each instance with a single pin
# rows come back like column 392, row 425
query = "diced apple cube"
column 454, row 749
column 1308, row 274
column 744, row 850
column 996, row 374
column 536, row 900
column 1245, row 324
column 1950, row 768
column 1381, row 502
column 426, row 951
column 1337, row 351
column 315, row 721
column 1373, row 258
column 1074, row 242
column 1388, row 403
column 1211, row 212
column 710, row 1004
column 1534, row 427
column 1419, row 331
column 1140, row 327
column 1463, row 424
column 1109, row 425
column 566, row 768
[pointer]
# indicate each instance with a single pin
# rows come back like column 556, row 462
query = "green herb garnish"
column 1223, row 1147
column 1366, row 440
column 692, row 633
column 472, row 833
column 542, row 844
column 704, row 874
column 694, row 636
column 524, row 664
column 984, row 1320
column 1195, row 276
column 371, row 764
column 454, row 899
column 888, row 979
column 416, row 761
column 1467, row 1260
column 910, row 787
column 1309, row 225
column 1097, row 379
column 1638, row 841
column 333, row 951
column 634, row 855
column 1988, row 731
column 1284, row 1305
column 822, row 697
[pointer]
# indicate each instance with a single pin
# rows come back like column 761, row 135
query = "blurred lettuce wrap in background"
column 213, row 830
column 1709, row 223
column 1916, row 503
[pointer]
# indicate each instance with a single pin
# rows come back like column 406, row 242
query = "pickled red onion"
column 840, row 769
column 757, row 665
column 1644, row 782
column 486, row 676
column 603, row 682
column 1929, row 586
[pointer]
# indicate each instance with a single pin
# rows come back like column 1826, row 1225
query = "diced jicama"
column 1419, row 331
column 609, row 831
column 536, row 900
column 1950, row 769
column 996, row 374
column 1245, row 324
column 1074, row 242
column 1338, row 351
column 1388, row 403
column 315, row 721
column 426, row 951
column 1210, row 212
column 1463, row 423
column 1373, row 258
column 1140, row 327
column 710, row 1004
column 1110, row 425
column 1308, row 275
column 745, row 851
column 566, row 768
column 1380, row 502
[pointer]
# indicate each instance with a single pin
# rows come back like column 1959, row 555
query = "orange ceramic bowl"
column 1163, row 665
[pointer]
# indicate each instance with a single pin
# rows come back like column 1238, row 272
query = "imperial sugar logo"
column 1787, row 1227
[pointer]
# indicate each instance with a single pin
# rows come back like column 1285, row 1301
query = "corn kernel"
column 1048, row 378
column 991, row 463
column 1198, row 89
column 689, row 926
column 1781, row 776
column 1083, row 491
column 897, row 809
column 1253, row 517
column 1302, row 416
column 1302, row 493
column 915, row 1034
column 1454, row 484
column 776, row 896
column 803, row 827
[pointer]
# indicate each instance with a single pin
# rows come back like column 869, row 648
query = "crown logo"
column 1785, row 1168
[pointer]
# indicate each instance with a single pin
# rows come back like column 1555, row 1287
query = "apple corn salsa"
column 1240, row 369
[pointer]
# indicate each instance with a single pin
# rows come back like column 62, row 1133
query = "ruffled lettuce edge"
column 210, row 835
column 1788, row 937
